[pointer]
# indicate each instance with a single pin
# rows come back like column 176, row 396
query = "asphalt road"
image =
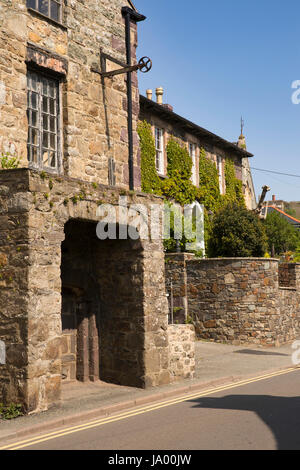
column 260, row 414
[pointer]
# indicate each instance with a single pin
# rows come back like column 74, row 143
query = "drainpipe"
column 130, row 15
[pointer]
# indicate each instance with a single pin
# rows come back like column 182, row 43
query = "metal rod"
column 129, row 103
column 112, row 73
column 172, row 306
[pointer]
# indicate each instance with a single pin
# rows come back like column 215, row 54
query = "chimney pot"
column 273, row 198
column 159, row 95
column 149, row 94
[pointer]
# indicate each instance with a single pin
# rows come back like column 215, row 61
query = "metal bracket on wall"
column 144, row 65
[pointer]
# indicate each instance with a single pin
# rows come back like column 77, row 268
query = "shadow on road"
column 280, row 414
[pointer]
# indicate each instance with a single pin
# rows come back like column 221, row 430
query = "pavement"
column 216, row 364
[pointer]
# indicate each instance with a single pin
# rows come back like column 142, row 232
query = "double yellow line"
column 128, row 414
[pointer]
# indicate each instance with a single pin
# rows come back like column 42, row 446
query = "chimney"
column 159, row 95
column 273, row 198
column 149, row 94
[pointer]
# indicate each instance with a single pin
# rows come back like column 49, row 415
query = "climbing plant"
column 234, row 188
column 150, row 180
column 178, row 185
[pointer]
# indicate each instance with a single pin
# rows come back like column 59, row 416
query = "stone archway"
column 102, row 307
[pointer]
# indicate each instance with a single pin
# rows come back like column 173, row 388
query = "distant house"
column 166, row 123
column 273, row 208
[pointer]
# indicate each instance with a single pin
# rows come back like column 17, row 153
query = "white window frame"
column 159, row 149
column 219, row 163
column 192, row 152
column 44, row 122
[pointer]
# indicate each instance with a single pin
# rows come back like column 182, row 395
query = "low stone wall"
column 181, row 351
column 240, row 300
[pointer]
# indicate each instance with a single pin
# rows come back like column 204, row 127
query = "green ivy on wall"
column 178, row 185
column 209, row 188
column 150, row 180
column 234, row 188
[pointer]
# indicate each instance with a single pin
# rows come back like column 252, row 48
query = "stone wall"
column 182, row 351
column 239, row 300
column 34, row 211
column 93, row 110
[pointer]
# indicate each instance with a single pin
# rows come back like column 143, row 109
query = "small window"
column 159, row 147
column 43, row 122
column 220, row 172
column 50, row 8
column 192, row 152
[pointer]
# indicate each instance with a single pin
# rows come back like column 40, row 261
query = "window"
column 43, row 121
column 192, row 152
column 50, row 8
column 159, row 147
column 220, row 172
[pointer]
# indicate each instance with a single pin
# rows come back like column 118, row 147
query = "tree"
column 282, row 236
column 237, row 232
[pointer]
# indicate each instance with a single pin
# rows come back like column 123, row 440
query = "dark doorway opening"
column 102, row 307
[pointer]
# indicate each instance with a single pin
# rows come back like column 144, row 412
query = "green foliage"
column 234, row 188
column 209, row 188
column 150, row 180
column 178, row 185
column 10, row 411
column 296, row 255
column 237, row 232
column 282, row 236
column 8, row 161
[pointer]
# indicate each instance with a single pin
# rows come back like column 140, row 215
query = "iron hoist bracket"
column 144, row 65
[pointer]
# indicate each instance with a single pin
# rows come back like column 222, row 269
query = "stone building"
column 165, row 123
column 71, row 305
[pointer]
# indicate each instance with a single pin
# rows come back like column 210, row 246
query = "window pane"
column 31, row 3
column 45, row 140
column 45, row 87
column 34, row 118
column 52, row 160
column 52, row 141
column 54, row 13
column 45, row 157
column 45, row 104
column 52, row 124
column 52, row 106
column 34, row 136
column 34, row 100
column 34, row 155
column 45, row 122
column 44, row 7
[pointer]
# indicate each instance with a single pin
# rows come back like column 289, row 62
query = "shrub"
column 237, row 232
column 10, row 411
column 282, row 236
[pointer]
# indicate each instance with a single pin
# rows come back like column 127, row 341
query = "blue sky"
column 219, row 60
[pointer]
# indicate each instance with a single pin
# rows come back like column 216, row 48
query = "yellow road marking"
column 135, row 412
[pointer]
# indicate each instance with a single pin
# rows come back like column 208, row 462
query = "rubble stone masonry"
column 93, row 110
column 73, row 306
column 238, row 300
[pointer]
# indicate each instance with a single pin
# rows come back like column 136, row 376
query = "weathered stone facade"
column 238, row 300
column 93, row 110
column 72, row 305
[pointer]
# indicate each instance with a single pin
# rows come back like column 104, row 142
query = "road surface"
column 255, row 414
